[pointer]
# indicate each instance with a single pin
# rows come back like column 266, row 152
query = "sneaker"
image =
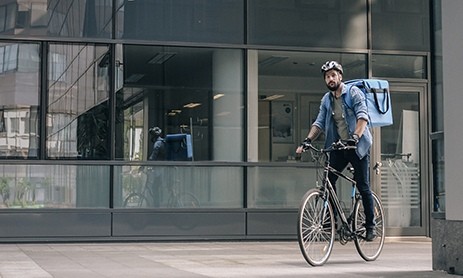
column 371, row 234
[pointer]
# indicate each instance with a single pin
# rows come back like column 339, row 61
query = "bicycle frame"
column 332, row 195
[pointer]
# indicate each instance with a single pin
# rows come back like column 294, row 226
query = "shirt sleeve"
column 358, row 103
column 322, row 113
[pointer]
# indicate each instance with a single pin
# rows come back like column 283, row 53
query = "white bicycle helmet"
column 156, row 131
column 329, row 65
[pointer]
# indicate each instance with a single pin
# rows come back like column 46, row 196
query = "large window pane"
column 19, row 100
column 54, row 186
column 78, row 109
column 283, row 187
column 197, row 92
column 334, row 23
column 400, row 25
column 290, row 87
column 399, row 66
column 401, row 185
column 181, row 20
column 178, row 187
column 62, row 18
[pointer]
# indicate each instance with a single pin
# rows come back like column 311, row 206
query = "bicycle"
column 147, row 198
column 316, row 217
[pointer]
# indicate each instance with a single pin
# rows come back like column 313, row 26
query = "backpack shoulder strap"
column 348, row 98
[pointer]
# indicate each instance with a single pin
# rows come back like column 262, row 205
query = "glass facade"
column 233, row 85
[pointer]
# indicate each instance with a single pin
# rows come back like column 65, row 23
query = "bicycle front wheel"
column 369, row 250
column 315, row 227
column 183, row 200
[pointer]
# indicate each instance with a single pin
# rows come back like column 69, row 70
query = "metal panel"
column 54, row 224
column 189, row 224
column 272, row 223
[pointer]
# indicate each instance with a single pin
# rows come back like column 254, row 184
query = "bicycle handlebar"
column 340, row 145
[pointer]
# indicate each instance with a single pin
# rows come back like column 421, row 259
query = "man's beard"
column 334, row 87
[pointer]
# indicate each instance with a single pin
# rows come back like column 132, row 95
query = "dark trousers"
column 339, row 161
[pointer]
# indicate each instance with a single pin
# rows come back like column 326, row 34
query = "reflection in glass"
column 78, row 110
column 19, row 100
column 54, row 186
column 61, row 18
column 194, row 91
column 178, row 187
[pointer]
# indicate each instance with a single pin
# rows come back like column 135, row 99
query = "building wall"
column 447, row 226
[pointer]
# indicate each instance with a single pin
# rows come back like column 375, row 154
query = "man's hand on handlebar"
column 305, row 145
column 349, row 144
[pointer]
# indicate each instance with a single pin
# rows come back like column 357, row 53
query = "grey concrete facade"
column 447, row 227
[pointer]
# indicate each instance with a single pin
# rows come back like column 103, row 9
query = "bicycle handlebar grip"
column 306, row 145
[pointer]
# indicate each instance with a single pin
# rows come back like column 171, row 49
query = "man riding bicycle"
column 340, row 121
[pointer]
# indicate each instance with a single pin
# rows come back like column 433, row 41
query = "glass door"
column 402, row 151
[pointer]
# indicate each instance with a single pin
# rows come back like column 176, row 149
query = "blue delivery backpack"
column 179, row 147
column 377, row 98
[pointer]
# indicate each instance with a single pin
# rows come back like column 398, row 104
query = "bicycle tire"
column 183, row 200
column 315, row 228
column 369, row 250
column 136, row 200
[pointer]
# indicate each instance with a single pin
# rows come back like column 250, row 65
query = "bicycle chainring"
column 345, row 235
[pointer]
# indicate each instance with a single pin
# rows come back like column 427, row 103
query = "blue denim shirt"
column 357, row 110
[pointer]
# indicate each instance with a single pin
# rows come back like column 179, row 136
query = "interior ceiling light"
column 174, row 112
column 219, row 95
column 161, row 58
column 192, row 105
column 273, row 97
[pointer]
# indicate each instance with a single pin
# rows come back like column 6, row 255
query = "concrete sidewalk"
column 400, row 258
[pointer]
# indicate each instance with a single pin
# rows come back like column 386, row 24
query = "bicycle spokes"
column 316, row 231
column 369, row 250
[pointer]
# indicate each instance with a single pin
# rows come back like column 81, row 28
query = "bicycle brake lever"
column 377, row 167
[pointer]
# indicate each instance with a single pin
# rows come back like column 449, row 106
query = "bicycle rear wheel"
column 369, row 250
column 135, row 200
column 315, row 227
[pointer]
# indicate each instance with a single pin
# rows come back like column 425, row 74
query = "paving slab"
column 401, row 257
